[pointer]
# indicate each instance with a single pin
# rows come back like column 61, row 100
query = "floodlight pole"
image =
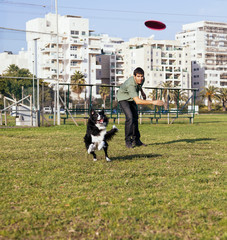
column 36, row 74
column 58, row 104
column 33, row 84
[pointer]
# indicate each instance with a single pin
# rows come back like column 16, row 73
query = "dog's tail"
column 109, row 135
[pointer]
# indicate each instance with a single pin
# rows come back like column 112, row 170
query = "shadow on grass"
column 133, row 156
column 185, row 140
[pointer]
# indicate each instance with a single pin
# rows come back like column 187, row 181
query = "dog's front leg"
column 91, row 148
column 101, row 145
column 94, row 156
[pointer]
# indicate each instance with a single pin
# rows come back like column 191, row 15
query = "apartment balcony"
column 94, row 46
column 223, row 76
column 119, row 67
column 177, row 70
column 48, row 50
column 76, row 58
column 119, row 59
column 79, row 42
column 119, row 73
column 98, row 67
column 94, row 51
column 48, row 65
column 94, row 36
column 164, row 55
column 54, row 56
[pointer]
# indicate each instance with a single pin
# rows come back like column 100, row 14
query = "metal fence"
column 42, row 108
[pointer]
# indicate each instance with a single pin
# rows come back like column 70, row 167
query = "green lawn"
column 175, row 188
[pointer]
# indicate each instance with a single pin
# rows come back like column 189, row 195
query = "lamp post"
column 36, row 74
column 58, row 104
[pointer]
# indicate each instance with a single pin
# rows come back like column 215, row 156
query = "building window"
column 73, row 47
column 83, row 33
column 74, row 32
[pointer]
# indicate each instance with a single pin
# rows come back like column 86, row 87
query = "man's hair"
column 138, row 71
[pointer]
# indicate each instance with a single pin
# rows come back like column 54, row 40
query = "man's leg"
column 136, row 133
column 125, row 106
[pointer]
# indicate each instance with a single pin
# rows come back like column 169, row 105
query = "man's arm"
column 148, row 102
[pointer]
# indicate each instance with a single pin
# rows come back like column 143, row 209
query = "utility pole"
column 58, row 104
column 36, row 73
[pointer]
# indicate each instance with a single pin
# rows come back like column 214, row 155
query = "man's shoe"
column 139, row 144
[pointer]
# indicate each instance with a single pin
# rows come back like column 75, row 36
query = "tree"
column 210, row 93
column 12, row 87
column 104, row 92
column 222, row 96
column 178, row 95
column 167, row 94
column 78, row 78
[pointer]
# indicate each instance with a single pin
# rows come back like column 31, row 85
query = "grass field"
column 175, row 188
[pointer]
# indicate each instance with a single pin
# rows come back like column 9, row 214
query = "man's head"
column 138, row 75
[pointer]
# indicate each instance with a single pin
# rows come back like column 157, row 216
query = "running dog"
column 96, row 136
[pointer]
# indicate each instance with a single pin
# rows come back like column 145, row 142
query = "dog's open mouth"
column 100, row 121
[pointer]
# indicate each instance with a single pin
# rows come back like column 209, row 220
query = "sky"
column 119, row 18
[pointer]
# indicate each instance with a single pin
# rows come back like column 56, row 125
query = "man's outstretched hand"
column 158, row 102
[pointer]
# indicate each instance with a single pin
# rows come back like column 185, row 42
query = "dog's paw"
column 108, row 159
column 101, row 145
column 114, row 127
column 94, row 159
column 91, row 148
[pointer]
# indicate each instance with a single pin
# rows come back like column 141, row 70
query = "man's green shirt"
column 128, row 90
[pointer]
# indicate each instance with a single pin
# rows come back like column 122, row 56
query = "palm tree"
column 154, row 94
column 178, row 95
column 167, row 94
column 210, row 93
column 222, row 96
column 78, row 78
column 104, row 92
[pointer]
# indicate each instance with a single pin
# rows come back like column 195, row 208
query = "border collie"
column 96, row 136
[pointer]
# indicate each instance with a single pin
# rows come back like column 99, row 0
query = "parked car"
column 62, row 111
column 47, row 110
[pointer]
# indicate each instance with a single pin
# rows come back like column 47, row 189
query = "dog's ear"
column 92, row 111
column 102, row 112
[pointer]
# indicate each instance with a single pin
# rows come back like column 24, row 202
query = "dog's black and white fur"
column 96, row 136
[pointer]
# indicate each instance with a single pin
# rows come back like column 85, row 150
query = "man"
column 128, row 98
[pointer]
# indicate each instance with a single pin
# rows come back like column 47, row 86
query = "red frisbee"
column 155, row 25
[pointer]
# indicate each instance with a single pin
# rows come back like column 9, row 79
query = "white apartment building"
column 208, row 47
column 162, row 61
column 7, row 58
column 77, row 47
